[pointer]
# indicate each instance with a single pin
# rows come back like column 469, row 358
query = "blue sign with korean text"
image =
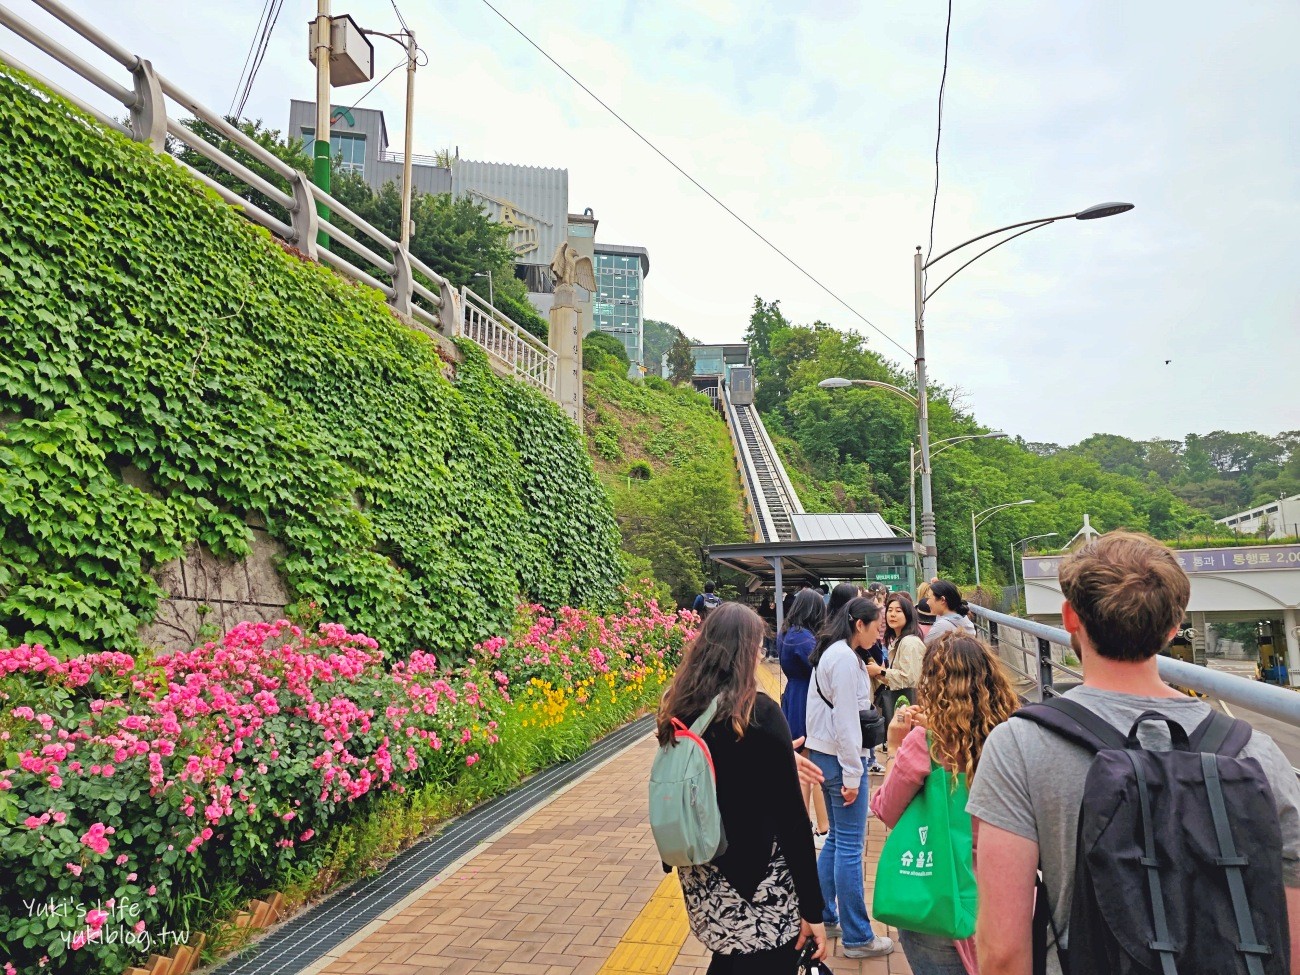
column 1195, row 560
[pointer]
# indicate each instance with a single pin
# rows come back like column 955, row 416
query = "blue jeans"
column 839, row 868
column 928, row 954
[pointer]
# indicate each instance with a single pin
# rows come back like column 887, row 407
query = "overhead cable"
column 698, row 185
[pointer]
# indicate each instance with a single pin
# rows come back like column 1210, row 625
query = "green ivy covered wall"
column 169, row 373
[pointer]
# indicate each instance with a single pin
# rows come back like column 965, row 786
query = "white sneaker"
column 819, row 840
column 873, row 949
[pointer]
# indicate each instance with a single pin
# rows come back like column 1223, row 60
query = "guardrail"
column 531, row 359
column 753, row 490
column 1041, row 667
column 409, row 285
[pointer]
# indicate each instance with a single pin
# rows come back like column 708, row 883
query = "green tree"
column 681, row 361
column 601, row 350
column 658, row 338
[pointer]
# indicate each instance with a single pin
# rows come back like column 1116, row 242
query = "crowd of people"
column 895, row 708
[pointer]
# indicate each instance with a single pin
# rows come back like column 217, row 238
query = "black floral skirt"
column 724, row 921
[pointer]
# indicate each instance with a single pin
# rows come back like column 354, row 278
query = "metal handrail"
column 757, row 500
column 1251, row 695
column 532, row 361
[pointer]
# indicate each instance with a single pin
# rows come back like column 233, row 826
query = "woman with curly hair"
column 963, row 696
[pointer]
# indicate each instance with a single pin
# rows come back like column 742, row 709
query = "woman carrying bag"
column 758, row 902
column 905, row 651
column 839, row 713
column 925, row 881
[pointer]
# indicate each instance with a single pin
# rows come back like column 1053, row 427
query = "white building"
column 1282, row 517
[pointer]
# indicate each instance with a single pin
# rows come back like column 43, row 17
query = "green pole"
column 321, row 177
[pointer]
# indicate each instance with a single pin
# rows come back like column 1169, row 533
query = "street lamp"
column 492, row 300
column 919, row 267
column 978, row 519
column 942, row 445
column 406, row 38
column 1019, row 542
column 839, row 383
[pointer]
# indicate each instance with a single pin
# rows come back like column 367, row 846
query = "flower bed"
column 141, row 799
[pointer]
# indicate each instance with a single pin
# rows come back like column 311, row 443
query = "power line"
column 938, row 133
column 252, row 46
column 698, row 185
column 263, row 43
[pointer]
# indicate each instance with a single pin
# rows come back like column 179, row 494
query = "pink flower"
column 471, row 759
column 306, row 836
column 95, row 838
column 96, row 919
column 74, row 869
column 78, row 941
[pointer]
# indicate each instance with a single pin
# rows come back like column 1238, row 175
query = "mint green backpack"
column 684, row 814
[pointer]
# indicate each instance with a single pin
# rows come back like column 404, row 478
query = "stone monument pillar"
column 570, row 269
column 565, row 338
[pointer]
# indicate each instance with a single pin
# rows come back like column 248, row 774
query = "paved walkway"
column 574, row 889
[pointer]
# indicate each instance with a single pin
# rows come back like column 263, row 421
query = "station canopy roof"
column 837, row 546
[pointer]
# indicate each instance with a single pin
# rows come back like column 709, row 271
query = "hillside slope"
column 664, row 455
column 169, row 375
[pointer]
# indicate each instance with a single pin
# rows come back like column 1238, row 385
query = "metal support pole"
column 780, row 594
column 911, row 486
column 1290, row 624
column 149, row 113
column 321, row 150
column 930, row 561
column 1044, row 668
column 410, row 125
column 1015, row 588
column 975, row 547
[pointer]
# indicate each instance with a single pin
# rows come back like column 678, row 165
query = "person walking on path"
column 795, row 645
column 963, row 696
column 707, row 601
column 905, row 651
column 757, row 903
column 950, row 611
column 1125, row 598
column 840, row 690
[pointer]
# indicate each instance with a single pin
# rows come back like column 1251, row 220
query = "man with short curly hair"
column 1125, row 596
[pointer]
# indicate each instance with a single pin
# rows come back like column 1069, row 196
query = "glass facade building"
column 348, row 150
column 618, row 302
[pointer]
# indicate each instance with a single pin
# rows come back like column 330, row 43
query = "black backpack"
column 1178, row 859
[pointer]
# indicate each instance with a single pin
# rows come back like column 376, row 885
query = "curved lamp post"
column 919, row 267
column 978, row 519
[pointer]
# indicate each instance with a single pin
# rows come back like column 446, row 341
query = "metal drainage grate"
column 314, row 933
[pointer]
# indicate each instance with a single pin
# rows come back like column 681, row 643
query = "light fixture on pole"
column 1018, row 543
column 920, row 297
column 942, row 445
column 491, row 292
column 978, row 519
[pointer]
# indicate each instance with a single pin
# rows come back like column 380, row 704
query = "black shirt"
column 761, row 800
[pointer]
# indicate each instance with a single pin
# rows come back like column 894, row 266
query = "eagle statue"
column 570, row 267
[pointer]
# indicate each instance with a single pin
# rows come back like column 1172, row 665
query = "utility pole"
column 321, row 48
column 930, row 561
column 410, row 125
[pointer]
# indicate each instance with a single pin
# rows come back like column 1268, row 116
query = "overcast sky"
column 816, row 122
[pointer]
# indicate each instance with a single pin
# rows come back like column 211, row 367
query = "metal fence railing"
column 531, row 359
column 358, row 250
column 1031, row 650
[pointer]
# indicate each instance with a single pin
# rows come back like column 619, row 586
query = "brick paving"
column 556, row 895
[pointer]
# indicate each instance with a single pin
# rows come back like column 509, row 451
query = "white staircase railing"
column 530, row 358
column 412, row 287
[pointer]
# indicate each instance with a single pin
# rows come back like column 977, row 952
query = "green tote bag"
column 925, row 881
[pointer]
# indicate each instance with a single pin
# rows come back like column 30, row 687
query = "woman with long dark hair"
column 840, row 690
column 758, row 902
column 905, row 650
column 950, row 612
column 964, row 695
column 795, row 645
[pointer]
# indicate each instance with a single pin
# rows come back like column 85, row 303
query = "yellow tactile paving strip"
column 655, row 939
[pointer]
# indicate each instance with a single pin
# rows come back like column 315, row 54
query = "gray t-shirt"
column 1030, row 782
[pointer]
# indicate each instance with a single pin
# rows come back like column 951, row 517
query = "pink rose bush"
column 146, row 781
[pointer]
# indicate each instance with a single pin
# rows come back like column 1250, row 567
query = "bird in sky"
column 1167, row 361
